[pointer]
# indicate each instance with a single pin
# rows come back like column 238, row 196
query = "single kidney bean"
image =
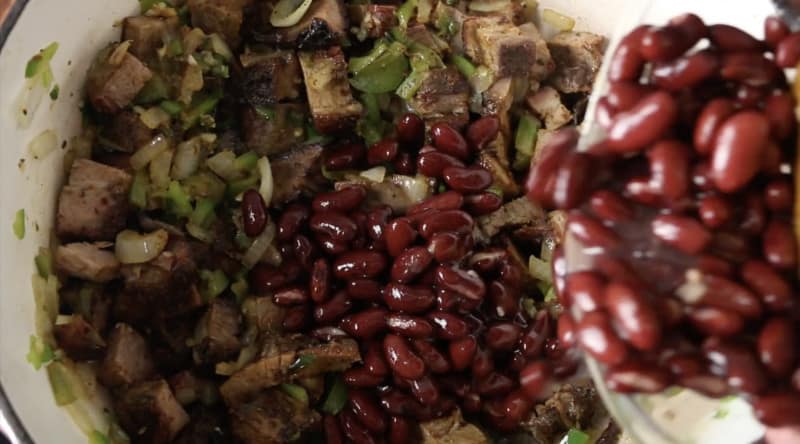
column 376, row 221
column 401, row 431
column 685, row 364
column 748, row 96
column 495, row 384
column 353, row 429
column 448, row 326
column 433, row 163
column 664, row 43
column 691, row 25
column 779, row 245
column 638, row 190
column 450, row 247
column 773, row 289
column 534, row 377
column 603, row 115
column 683, row 233
column 687, row 71
column 254, row 213
column 787, row 53
column 597, row 337
column 483, row 131
column 398, row 235
column 367, row 410
column 462, row 351
column 709, row 385
column 344, row 156
column 305, row 251
column 566, row 330
column 483, row 203
column 779, row 195
column 293, row 295
column 425, row 390
column 451, row 220
column 358, row 264
column 610, row 206
column 411, row 130
column 409, row 326
column 669, row 169
column 449, row 141
column 333, row 433
column 482, row 363
column 777, row 346
column 405, row 164
column 291, row 219
column 738, row 364
column 489, row 260
column 366, row 323
column 405, row 298
column 531, row 343
column 472, row 179
column 622, row 96
column 266, row 278
column 331, row 246
column 359, row 376
column 343, row 200
column 402, row 360
column 729, row 295
column 627, row 62
column 435, row 361
column 381, row 152
column 778, row 410
column 572, row 180
column 464, row 282
column 333, row 309
column 543, row 171
column 516, row 406
column 716, row 321
column 633, row 315
column 398, row 403
column 336, row 226
column 590, row 232
column 779, row 109
column 772, row 161
column 297, row 318
column 374, row 360
column 637, row 376
column 749, row 68
column 447, row 300
column 775, row 30
column 409, row 264
column 505, row 299
column 732, row 39
column 449, row 200
column 365, row 290
column 502, row 336
column 320, row 281
column 715, row 211
column 585, row 290
column 643, row 124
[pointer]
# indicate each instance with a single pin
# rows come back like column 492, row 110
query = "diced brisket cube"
column 546, row 104
column 297, row 172
column 543, row 63
column 442, row 96
column 495, row 42
column 223, row 17
column 329, row 96
column 217, row 333
column 87, row 261
column 577, row 56
column 127, row 132
column 79, row 340
column 374, row 20
column 273, row 417
column 147, row 34
column 149, row 413
column 323, row 25
column 276, row 133
column 270, row 78
column 128, row 358
column 114, row 79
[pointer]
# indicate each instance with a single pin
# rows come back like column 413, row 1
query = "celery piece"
column 154, row 90
column 295, row 391
column 406, row 12
column 44, row 262
column 97, row 437
column 214, row 283
column 464, row 66
column 39, row 353
column 539, row 269
column 41, row 61
column 336, row 397
column 204, row 185
column 527, row 130
column 60, row 383
column 19, row 223
column 178, row 202
column 383, row 73
column 172, row 107
column 575, row 436
column 203, row 214
column 202, row 104
column 238, row 187
column 138, row 193
column 246, row 161
column 356, row 64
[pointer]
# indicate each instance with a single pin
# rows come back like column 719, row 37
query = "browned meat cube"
column 570, row 406
column 87, row 261
column 577, row 57
column 329, row 97
column 149, row 413
column 269, row 78
column 128, row 358
column 519, row 212
column 223, row 17
column 288, row 366
column 94, row 203
column 452, row 429
column 127, row 132
column 297, row 172
column 322, row 26
column 495, row 42
column 279, row 131
column 546, row 104
column 272, row 418
column 208, row 425
column 217, row 333
column 147, row 34
column 397, row 191
column 374, row 20
column 186, row 387
column 543, row 64
column 79, row 340
column 501, row 176
column 423, row 35
column 265, row 314
column 442, row 96
column 497, row 101
column 115, row 78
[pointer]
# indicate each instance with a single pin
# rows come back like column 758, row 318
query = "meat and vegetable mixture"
column 304, row 221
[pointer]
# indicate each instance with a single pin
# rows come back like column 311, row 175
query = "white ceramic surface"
column 82, row 27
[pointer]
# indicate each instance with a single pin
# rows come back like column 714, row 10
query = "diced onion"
column 191, row 82
column 154, row 117
column 488, row 5
column 267, row 185
column 482, row 79
column 416, row 188
column 159, row 169
column 259, row 246
column 539, row 269
column 557, row 20
column 145, row 154
column 693, row 289
column 219, row 46
column 188, row 155
column 135, row 248
column 118, row 54
column 287, row 13
column 223, row 165
column 45, row 294
column 43, row 144
column 192, row 40
column 28, row 101
column 375, row 174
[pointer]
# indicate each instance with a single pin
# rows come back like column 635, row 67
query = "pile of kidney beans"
column 439, row 324
column 680, row 263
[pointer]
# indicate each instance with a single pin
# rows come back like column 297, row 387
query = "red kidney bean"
column 254, row 213
column 331, row 246
column 353, row 429
column 293, row 295
column 779, row 109
column 332, row 431
column 715, row 211
column 291, row 219
column 669, row 169
column 590, row 232
column 482, row 363
column 683, row 233
column 367, row 410
column 773, row 289
column 495, row 384
column 374, row 361
column 376, row 221
column 502, row 336
column 366, row 323
column 320, row 281
column 637, row 376
column 638, row 190
column 472, row 179
column 796, row 380
column 748, row 96
column 772, row 162
column 409, row 326
column 749, row 68
column 266, row 278
column 610, row 206
column 691, row 25
column 779, row 245
column 381, row 152
column 633, row 315
column 435, row 361
column 627, row 61
column 779, row 195
column 433, row 163
column 450, row 247
column 670, row 310
column 404, row 163
column 685, row 364
column 570, row 183
column 304, row 251
column 333, row 309
column 775, row 30
column 449, row 141
column 297, row 318
column 623, row 96
column 664, row 43
column 603, row 115
column 400, row 431
column 778, row 410
column 365, row 290
column 738, row 364
column 452, row 220
column 398, row 235
column 449, row 200
column 447, row 300
column 542, row 172
column 483, row 203
column 709, row 385
column 399, row 404
column 532, row 342
column 708, row 263
column 585, row 290
column 448, row 326
column 402, row 360
column 596, row 336
column 336, row 226
column 777, row 346
column 731, row 39
column 482, row 131
column 409, row 264
column 534, row 377
column 729, row 295
column 343, row 200
column 345, row 156
column 462, row 352
column 425, row 390
column 566, row 330
column 687, row 71
column 505, row 300
column 411, row 130
column 787, row 53
column 359, row 376
column 701, row 176
column 464, row 282
column 409, row 299
column 359, row 264
column 516, row 406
